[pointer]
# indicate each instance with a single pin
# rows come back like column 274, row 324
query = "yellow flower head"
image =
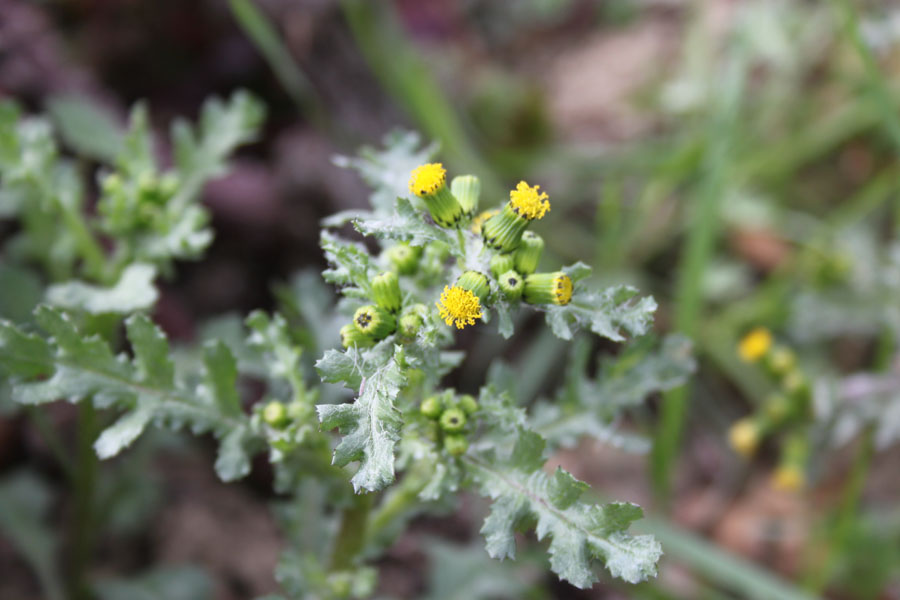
column 427, row 179
column 481, row 217
column 755, row 345
column 459, row 307
column 788, row 478
column 529, row 202
column 744, row 437
column 562, row 288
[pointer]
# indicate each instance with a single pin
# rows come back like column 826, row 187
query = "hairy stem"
column 351, row 536
column 85, row 481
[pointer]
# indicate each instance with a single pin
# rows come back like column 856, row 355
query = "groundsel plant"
column 450, row 259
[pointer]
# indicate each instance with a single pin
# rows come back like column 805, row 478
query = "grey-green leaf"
column 134, row 291
column 371, row 428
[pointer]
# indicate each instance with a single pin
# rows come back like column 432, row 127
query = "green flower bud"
column 374, row 321
column 428, row 183
column 404, row 258
column 352, row 336
column 410, row 323
column 386, row 291
column 479, row 220
column 168, row 184
column 795, row 384
column 453, row 420
column 432, row 407
column 501, row 263
column 548, row 288
column 504, row 230
column 112, row 184
column 475, row 282
column 781, row 360
column 777, row 408
column 528, row 254
column 275, row 414
column 456, row 444
column 468, row 403
column 433, row 431
column 511, row 284
column 467, row 189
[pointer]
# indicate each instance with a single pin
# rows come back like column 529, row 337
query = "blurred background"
column 737, row 160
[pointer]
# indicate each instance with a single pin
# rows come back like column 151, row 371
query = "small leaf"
column 233, row 461
column 404, row 224
column 151, row 351
column 564, row 489
column 86, row 127
column 606, row 313
column 122, row 433
column 387, row 171
column 221, row 377
column 163, row 583
column 134, row 291
column 352, row 265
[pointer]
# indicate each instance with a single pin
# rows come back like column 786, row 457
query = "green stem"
column 695, row 261
column 88, row 247
column 351, row 536
column 847, row 513
column 878, row 88
column 52, row 439
column 85, row 483
column 395, row 505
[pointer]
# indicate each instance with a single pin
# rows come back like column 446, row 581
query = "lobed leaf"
column 64, row 364
column 579, row 532
column 605, row 313
column 133, row 292
column 370, row 427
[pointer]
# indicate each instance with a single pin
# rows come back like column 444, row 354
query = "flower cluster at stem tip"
column 787, row 410
column 517, row 252
column 513, row 254
column 448, row 419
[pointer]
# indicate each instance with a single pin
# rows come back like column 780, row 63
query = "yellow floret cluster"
column 528, row 201
column 562, row 288
column 458, row 306
column 427, row 179
column 755, row 345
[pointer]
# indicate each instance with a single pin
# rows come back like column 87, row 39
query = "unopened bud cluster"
column 448, row 417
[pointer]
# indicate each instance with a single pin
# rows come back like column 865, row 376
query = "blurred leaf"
column 86, row 127
column 133, row 292
column 593, row 407
column 20, row 291
column 605, row 313
column 200, row 152
column 24, row 504
column 68, row 365
column 387, row 171
column 461, row 573
column 722, row 567
column 163, row 583
column 260, row 30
